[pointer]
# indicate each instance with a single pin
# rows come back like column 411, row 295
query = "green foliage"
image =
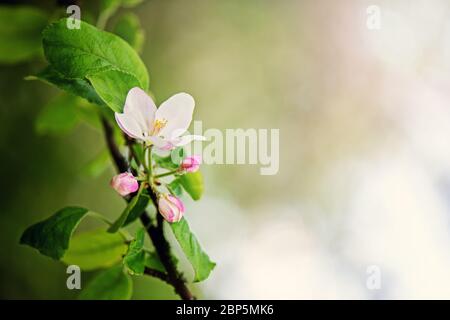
column 126, row 212
column 112, row 86
column 110, row 284
column 95, row 249
column 199, row 260
column 58, row 116
column 175, row 187
column 172, row 161
column 138, row 208
column 79, row 87
column 134, row 260
column 20, row 33
column 128, row 27
column 137, row 258
column 192, row 182
column 51, row 236
column 78, row 53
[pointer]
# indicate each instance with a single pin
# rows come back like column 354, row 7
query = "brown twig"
column 155, row 232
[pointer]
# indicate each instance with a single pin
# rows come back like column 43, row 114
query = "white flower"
column 164, row 126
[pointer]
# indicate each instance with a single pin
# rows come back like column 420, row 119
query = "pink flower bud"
column 191, row 164
column 170, row 207
column 124, row 183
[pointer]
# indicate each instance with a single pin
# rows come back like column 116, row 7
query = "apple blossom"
column 164, row 126
column 124, row 183
column 170, row 207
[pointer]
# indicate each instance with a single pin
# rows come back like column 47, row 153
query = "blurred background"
column 364, row 177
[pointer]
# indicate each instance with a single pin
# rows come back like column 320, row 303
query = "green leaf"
column 51, row 236
column 112, row 86
column 192, row 182
column 78, row 53
column 134, row 260
column 128, row 27
column 138, row 209
column 172, row 161
column 124, row 216
column 95, row 249
column 79, row 87
column 199, row 260
column 110, row 284
column 175, row 187
column 20, row 33
column 152, row 261
column 59, row 116
column 137, row 258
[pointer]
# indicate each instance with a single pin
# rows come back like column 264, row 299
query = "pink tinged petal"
column 177, row 111
column 192, row 163
column 188, row 139
column 124, row 183
column 170, row 207
column 161, row 143
column 177, row 202
column 141, row 107
column 129, row 125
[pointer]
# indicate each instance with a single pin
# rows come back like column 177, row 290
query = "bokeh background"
column 364, row 177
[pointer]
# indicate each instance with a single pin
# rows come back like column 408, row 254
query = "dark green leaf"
column 137, row 258
column 199, row 260
column 110, row 284
column 79, row 87
column 126, row 212
column 20, row 32
column 193, row 184
column 134, row 260
column 128, row 27
column 138, row 209
column 95, row 249
column 112, row 86
column 78, row 53
column 51, row 236
column 58, row 116
column 175, row 187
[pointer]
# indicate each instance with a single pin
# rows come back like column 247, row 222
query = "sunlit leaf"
column 110, row 284
column 77, row 53
column 199, row 260
column 193, row 184
column 95, row 249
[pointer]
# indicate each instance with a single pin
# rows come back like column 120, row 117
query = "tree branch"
column 157, row 274
column 155, row 232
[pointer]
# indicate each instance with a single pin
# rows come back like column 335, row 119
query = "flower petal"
column 160, row 143
column 181, row 141
column 129, row 125
column 141, row 107
column 177, row 111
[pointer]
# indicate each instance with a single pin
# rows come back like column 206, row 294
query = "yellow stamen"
column 158, row 125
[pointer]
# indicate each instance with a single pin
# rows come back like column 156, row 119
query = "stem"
column 165, row 174
column 155, row 231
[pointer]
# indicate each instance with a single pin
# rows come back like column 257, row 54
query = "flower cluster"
column 163, row 128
